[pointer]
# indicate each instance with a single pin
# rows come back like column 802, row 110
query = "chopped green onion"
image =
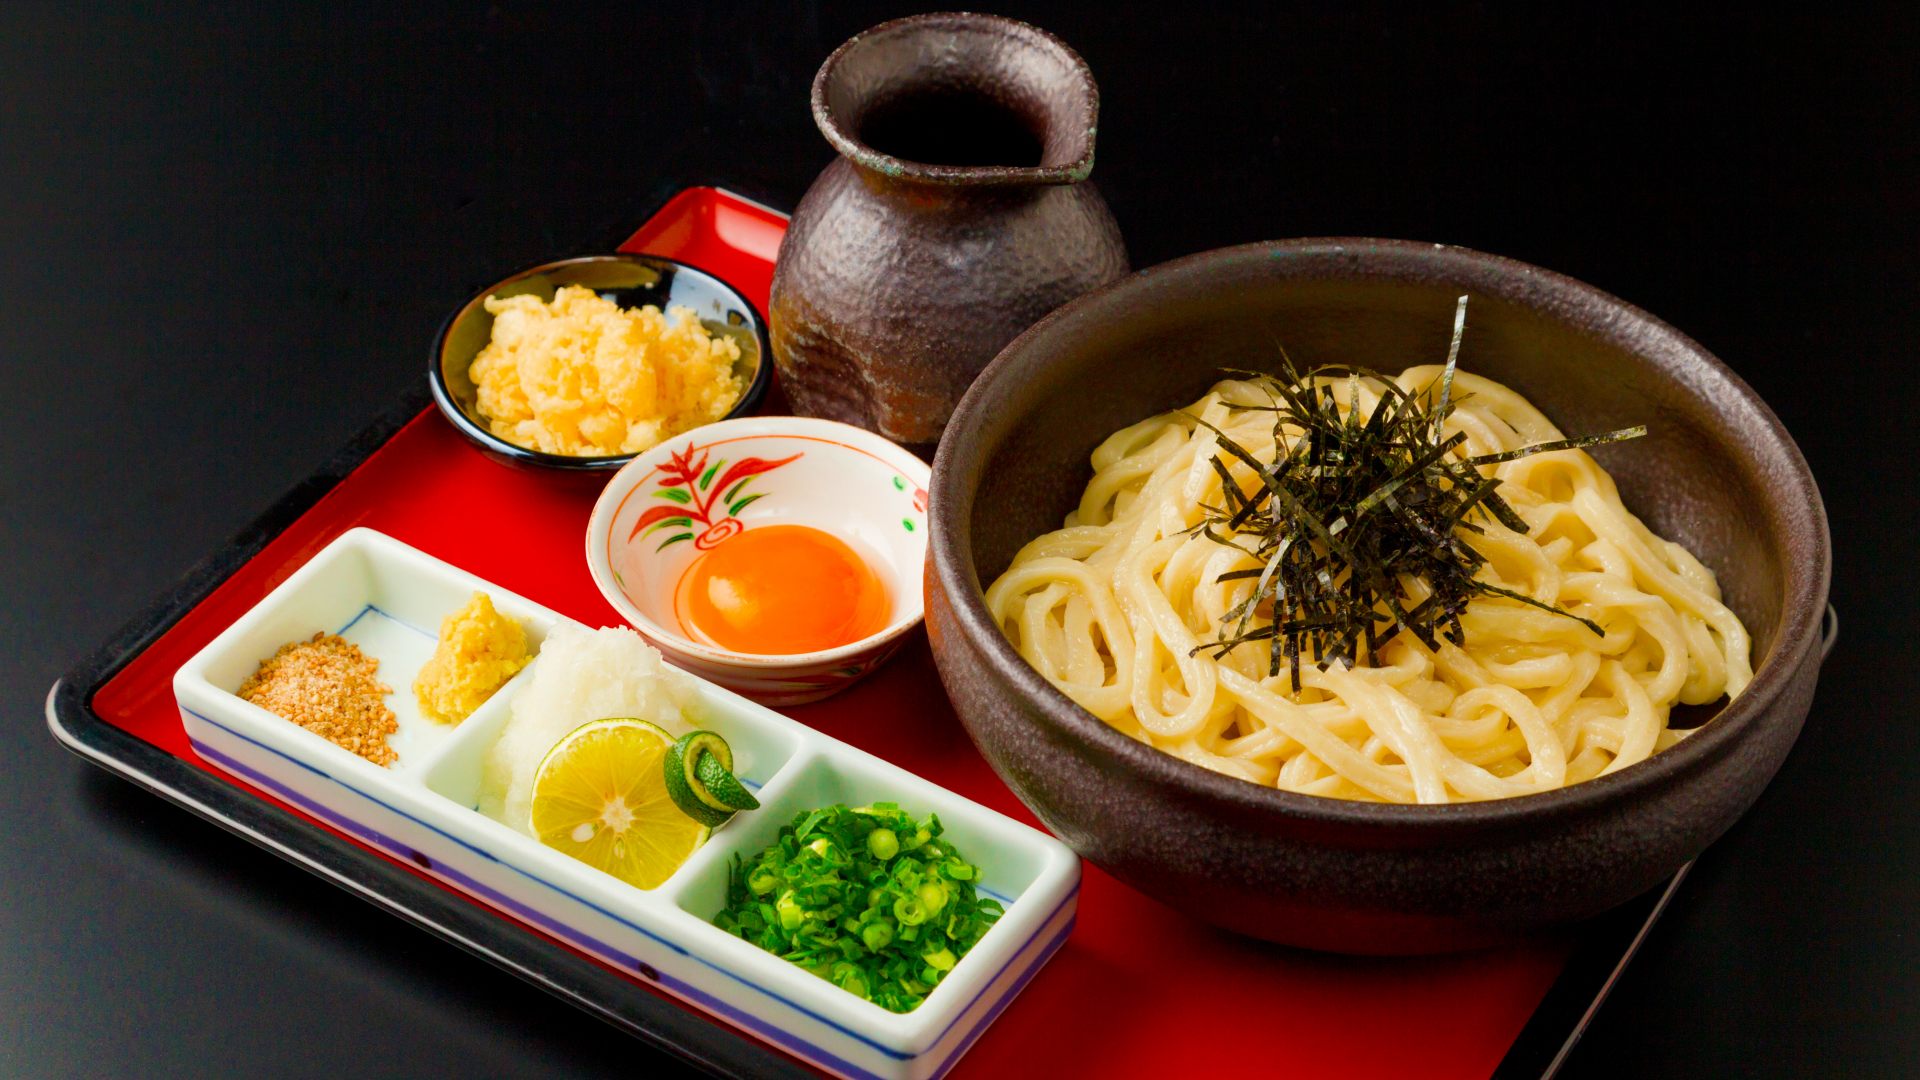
column 791, row 916
column 869, row 899
column 762, row 881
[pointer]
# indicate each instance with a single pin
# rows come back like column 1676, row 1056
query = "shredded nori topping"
column 1354, row 507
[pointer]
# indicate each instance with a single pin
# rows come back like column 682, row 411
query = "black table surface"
column 226, row 237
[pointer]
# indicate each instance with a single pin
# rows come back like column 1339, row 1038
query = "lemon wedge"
column 600, row 795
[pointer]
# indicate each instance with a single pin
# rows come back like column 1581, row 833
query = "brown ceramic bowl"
column 1717, row 473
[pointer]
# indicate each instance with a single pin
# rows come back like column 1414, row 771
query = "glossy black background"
column 226, row 237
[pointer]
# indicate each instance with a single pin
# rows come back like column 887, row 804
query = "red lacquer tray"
column 1137, row 989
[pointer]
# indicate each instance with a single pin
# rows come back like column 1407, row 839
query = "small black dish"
column 627, row 280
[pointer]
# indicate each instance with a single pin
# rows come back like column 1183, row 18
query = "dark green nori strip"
column 1331, row 566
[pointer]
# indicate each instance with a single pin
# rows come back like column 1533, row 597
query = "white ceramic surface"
column 381, row 593
column 697, row 490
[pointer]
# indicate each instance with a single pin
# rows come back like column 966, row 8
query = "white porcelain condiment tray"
column 389, row 599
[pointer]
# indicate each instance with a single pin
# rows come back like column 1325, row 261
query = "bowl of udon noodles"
column 1375, row 597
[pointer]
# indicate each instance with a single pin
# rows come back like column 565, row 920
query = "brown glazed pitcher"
column 957, row 214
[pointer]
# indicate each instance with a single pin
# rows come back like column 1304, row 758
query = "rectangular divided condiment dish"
column 387, row 597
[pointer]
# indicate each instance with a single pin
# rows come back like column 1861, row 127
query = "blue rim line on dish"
column 621, row 958
column 390, row 617
column 560, row 270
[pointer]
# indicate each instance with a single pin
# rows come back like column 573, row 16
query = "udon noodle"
column 1115, row 607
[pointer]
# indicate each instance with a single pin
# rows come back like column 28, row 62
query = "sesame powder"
column 328, row 686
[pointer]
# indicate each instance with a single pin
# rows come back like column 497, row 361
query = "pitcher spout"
column 961, row 100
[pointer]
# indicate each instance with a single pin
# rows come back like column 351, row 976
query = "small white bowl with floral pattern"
column 697, row 490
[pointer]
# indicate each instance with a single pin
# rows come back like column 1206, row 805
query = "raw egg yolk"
column 780, row 589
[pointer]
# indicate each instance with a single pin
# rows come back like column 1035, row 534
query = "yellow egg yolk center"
column 780, row 589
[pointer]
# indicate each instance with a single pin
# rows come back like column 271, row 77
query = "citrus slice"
column 717, row 782
column 600, row 795
column 699, row 774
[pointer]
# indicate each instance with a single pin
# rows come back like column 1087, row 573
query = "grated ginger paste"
column 479, row 650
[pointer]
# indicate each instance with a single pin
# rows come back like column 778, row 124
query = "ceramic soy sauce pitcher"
column 957, row 214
